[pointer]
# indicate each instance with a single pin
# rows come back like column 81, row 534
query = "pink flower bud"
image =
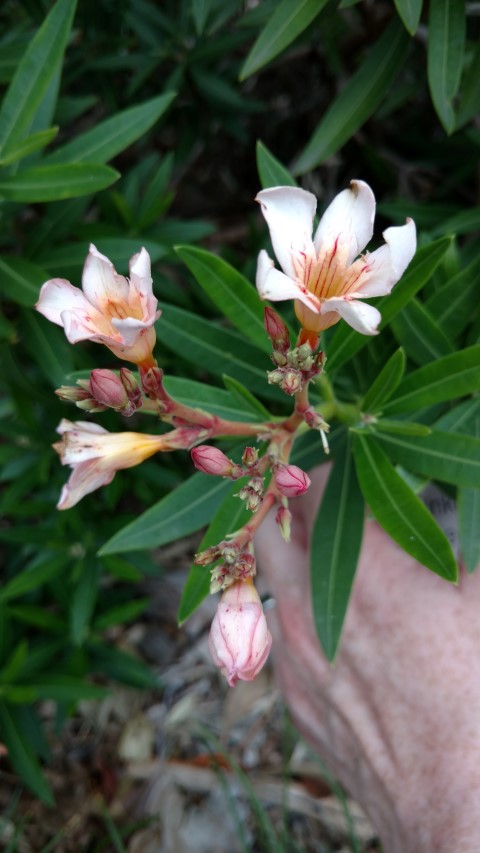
column 107, row 389
column 250, row 457
column 291, row 481
column 211, row 460
column 132, row 388
column 276, row 330
column 284, row 520
column 239, row 639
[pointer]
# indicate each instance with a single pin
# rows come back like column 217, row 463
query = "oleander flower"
column 327, row 276
column 95, row 455
column 110, row 309
column 239, row 640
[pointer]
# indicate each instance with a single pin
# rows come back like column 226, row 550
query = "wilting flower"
column 239, row 639
column 326, row 276
column 110, row 309
column 95, row 455
column 291, row 481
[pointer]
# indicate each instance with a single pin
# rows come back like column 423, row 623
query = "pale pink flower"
column 239, row 639
column 327, row 276
column 95, row 455
column 110, row 309
column 291, row 481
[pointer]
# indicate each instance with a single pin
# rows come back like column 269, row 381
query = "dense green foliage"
column 135, row 123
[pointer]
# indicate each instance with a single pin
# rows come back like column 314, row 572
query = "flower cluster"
column 328, row 277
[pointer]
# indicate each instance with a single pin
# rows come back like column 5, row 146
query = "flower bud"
column 284, row 520
column 107, row 389
column 291, row 481
column 250, row 457
column 211, row 460
column 132, row 388
column 276, row 330
column 239, row 640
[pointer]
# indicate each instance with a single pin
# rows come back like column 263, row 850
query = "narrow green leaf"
column 20, row 280
column 445, row 379
column 27, row 146
column 31, row 578
column 446, row 456
column 270, row 171
column 65, row 688
column 82, row 601
column 346, row 342
column 48, row 346
column 400, row 512
column 121, row 666
column 335, row 547
column 401, row 427
column 358, row 100
column 462, row 418
column 410, row 11
column 289, row 20
column 454, row 304
column 416, row 329
column 468, row 106
column 22, row 758
column 120, row 614
column 230, row 516
column 469, row 526
column 113, row 135
column 446, row 44
column 183, row 511
column 385, row 384
column 53, row 183
column 39, row 65
column 216, row 349
column 230, row 291
column 70, row 257
column 239, row 392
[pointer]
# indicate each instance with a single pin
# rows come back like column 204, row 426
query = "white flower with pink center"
column 110, row 309
column 327, row 276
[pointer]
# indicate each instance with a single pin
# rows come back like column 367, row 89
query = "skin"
column 397, row 718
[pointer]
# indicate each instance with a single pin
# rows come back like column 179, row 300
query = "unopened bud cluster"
column 105, row 390
column 237, row 563
column 293, row 367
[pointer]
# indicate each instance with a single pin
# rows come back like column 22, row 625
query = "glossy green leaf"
column 27, row 146
column 38, row 67
column 446, row 456
column 468, row 106
column 48, row 345
column 82, row 601
column 230, row 291
column 181, row 512
column 120, row 614
column 446, row 44
column 400, row 512
column 110, row 137
column 23, row 759
column 452, row 376
column 385, row 384
column 289, row 20
column 230, row 404
column 462, row 418
column 346, row 342
column 271, row 172
column 243, row 395
column 469, row 526
column 335, row 548
column 65, row 688
column 216, row 349
column 416, row 329
column 410, row 11
column 53, row 183
column 230, row 516
column 358, row 100
column 453, row 305
column 401, row 427
column 31, row 578
column 20, row 280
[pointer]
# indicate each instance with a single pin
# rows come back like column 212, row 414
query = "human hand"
column 396, row 718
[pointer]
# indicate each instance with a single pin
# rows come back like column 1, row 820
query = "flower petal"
column 85, row 325
column 58, row 295
column 347, row 222
column 360, row 316
column 85, row 478
column 289, row 213
column 141, row 282
column 388, row 263
column 65, row 426
column 274, row 285
column 130, row 328
column 100, row 281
